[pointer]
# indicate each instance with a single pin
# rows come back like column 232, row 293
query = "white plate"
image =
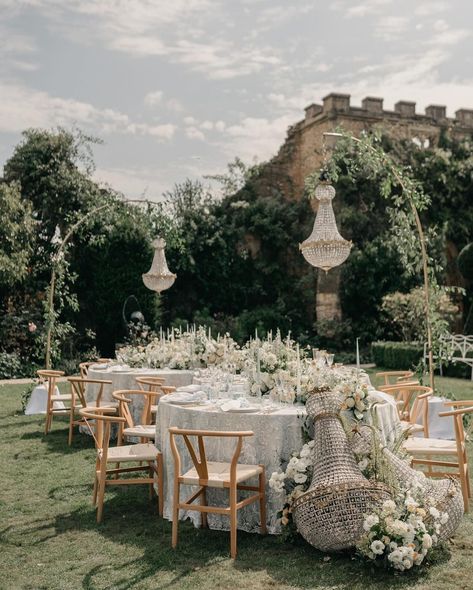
column 121, row 370
column 190, row 403
column 250, row 410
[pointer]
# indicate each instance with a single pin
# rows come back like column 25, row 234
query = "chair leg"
column 175, row 515
column 151, row 472
column 203, row 502
column 49, row 417
column 262, row 502
column 94, row 493
column 233, row 522
column 71, row 426
column 159, row 462
column 101, row 495
column 464, row 486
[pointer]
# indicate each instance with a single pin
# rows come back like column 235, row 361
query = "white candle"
column 357, row 353
column 298, row 383
column 256, row 333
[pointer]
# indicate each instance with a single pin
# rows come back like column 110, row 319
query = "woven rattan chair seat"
column 140, row 452
column 219, row 474
column 430, row 446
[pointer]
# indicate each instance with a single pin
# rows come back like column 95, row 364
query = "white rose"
column 395, row 557
column 434, row 512
column 377, row 547
column 300, row 477
column 426, row 541
column 370, row 521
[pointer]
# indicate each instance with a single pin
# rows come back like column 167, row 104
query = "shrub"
column 397, row 355
column 10, row 365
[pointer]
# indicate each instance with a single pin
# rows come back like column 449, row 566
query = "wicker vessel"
column 330, row 514
column 446, row 493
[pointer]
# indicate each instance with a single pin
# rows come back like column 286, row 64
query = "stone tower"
column 302, row 153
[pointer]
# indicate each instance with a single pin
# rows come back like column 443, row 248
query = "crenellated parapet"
column 336, row 105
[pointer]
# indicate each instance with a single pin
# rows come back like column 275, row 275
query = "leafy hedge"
column 397, row 355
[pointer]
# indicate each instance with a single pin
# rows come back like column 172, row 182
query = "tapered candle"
column 357, row 353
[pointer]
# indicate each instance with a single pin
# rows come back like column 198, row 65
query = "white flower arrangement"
column 293, row 481
column 401, row 533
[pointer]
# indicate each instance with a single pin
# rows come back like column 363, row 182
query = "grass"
column 49, row 538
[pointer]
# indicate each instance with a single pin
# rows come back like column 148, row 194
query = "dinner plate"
column 189, row 403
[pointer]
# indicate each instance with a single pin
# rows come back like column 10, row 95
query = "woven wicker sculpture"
column 330, row 514
column 445, row 492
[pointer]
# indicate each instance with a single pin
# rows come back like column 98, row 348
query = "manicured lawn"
column 50, row 540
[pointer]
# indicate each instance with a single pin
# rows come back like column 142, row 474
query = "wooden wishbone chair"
column 207, row 474
column 143, row 431
column 411, row 399
column 49, row 378
column 425, row 450
column 84, row 367
column 79, row 400
column 141, row 453
column 396, row 375
column 154, row 385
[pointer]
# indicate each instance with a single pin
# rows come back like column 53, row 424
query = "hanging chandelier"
column 159, row 277
column 325, row 247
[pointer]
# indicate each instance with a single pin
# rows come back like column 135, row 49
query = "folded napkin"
column 179, row 397
column 100, row 366
column 235, row 404
column 190, row 388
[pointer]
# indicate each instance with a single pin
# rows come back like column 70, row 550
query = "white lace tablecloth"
column 277, row 436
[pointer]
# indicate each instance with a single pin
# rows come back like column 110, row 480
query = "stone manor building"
column 303, row 151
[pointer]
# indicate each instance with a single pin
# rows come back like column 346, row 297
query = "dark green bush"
column 397, row 355
column 10, row 365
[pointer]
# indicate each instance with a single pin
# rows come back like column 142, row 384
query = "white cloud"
column 258, row 137
column 364, row 8
column 153, row 98
column 194, row 133
column 431, row 8
column 23, row 107
column 390, row 28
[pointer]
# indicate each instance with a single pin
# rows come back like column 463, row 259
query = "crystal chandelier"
column 325, row 247
column 159, row 277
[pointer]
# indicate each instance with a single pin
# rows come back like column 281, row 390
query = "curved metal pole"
column 57, row 257
column 425, row 261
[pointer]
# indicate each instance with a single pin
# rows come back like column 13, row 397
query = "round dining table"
column 278, row 434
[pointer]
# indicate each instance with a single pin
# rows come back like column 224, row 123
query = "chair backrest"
column 103, row 419
column 50, row 377
column 198, row 454
column 412, row 401
column 124, row 407
column 152, row 383
column 393, row 376
column 78, row 385
column 460, row 409
column 148, row 398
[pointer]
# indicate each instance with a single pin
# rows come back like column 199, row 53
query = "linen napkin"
column 235, row 404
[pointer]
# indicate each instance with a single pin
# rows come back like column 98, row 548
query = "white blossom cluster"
column 402, row 532
column 294, row 480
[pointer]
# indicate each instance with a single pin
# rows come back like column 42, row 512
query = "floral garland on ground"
column 401, row 533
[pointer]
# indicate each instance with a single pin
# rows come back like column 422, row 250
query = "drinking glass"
column 329, row 359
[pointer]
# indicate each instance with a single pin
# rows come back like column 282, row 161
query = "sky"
column 178, row 88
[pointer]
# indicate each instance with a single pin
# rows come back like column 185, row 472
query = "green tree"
column 17, row 235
